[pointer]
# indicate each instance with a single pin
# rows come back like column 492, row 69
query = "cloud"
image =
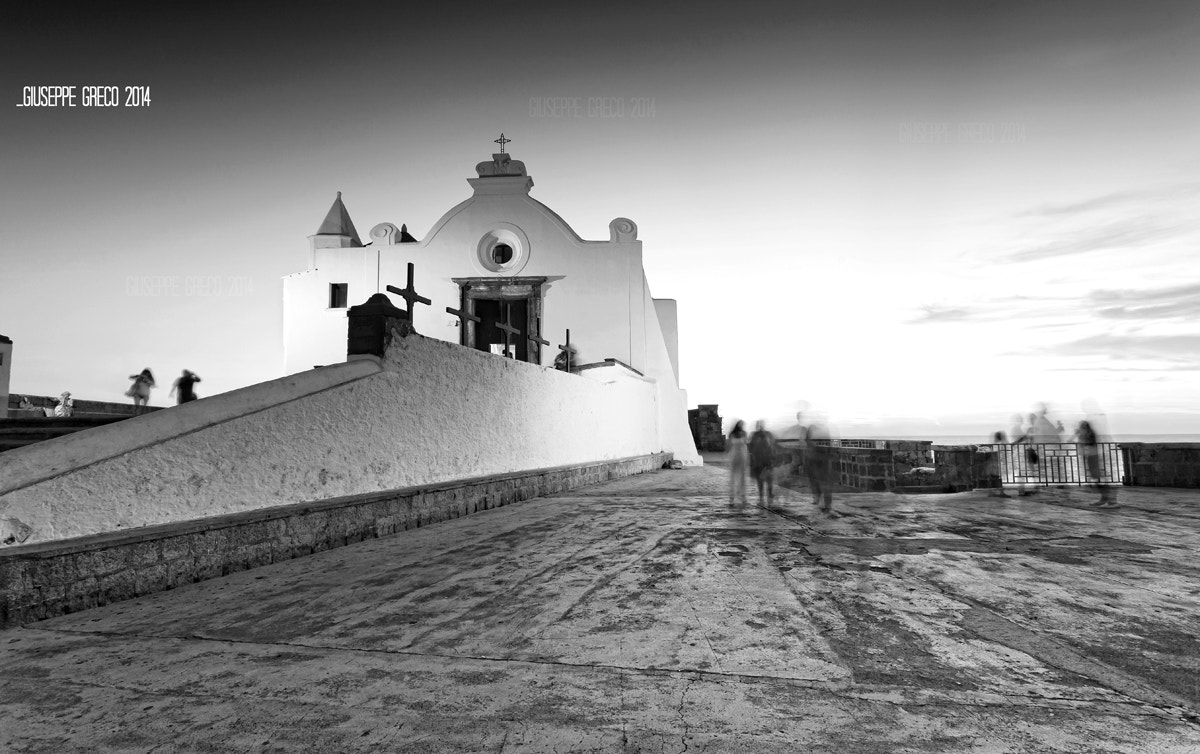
column 934, row 314
column 1116, row 200
column 1122, row 369
column 1119, row 235
column 1181, row 350
column 1172, row 302
column 1001, row 309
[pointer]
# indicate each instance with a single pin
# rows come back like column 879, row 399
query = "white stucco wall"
column 434, row 412
column 672, row 400
column 668, row 319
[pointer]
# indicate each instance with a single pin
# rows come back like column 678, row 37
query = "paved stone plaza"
column 647, row 614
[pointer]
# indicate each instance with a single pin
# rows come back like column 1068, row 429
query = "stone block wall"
column 911, row 453
column 962, row 467
column 43, row 580
column 854, row 469
column 705, row 423
column 864, row 469
column 1162, row 464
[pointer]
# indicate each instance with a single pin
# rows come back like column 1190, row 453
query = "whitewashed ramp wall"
column 428, row 412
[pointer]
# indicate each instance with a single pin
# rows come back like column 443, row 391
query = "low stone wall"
column 105, row 408
column 43, row 580
column 1175, row 464
column 864, row 469
column 910, row 453
column 854, row 469
column 962, row 467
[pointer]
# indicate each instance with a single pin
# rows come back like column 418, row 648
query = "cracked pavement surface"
column 647, row 614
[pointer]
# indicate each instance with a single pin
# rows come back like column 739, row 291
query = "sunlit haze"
column 919, row 218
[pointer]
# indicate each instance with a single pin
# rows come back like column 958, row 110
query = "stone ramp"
column 647, row 614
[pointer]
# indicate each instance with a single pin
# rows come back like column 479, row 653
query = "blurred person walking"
column 999, row 441
column 1089, row 450
column 762, row 460
column 1023, row 457
column 1097, row 424
column 1042, row 430
column 739, row 460
column 140, row 389
column 183, row 387
column 818, row 463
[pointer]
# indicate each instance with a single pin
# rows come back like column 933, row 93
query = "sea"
column 983, row 440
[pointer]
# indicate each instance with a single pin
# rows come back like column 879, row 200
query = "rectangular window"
column 338, row 293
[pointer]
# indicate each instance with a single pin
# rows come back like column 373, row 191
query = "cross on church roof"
column 536, row 337
column 408, row 293
column 501, row 141
column 462, row 316
column 507, row 328
column 566, row 353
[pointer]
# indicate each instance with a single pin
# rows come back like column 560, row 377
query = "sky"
column 915, row 218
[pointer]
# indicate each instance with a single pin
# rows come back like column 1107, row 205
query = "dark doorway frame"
column 528, row 289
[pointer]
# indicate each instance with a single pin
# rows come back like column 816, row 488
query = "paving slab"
column 649, row 614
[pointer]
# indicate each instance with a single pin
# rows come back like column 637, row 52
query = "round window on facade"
column 504, row 250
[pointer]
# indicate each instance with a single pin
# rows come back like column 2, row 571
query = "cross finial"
column 501, row 141
column 408, row 293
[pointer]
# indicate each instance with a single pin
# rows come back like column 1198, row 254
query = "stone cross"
column 567, row 349
column 507, row 329
column 501, row 141
column 536, row 337
column 462, row 316
column 409, row 294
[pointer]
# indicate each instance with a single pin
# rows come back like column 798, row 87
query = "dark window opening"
column 502, row 253
column 338, row 294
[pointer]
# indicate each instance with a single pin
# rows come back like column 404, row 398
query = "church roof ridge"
column 338, row 223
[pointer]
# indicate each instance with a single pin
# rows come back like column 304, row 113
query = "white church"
column 501, row 272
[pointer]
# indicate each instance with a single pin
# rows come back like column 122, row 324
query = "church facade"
column 502, row 272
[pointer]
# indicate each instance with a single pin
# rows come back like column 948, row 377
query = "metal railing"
column 1056, row 463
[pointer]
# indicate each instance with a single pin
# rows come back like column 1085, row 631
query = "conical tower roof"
column 338, row 222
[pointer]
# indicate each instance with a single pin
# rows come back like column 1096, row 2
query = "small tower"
column 336, row 232
column 6, row 349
